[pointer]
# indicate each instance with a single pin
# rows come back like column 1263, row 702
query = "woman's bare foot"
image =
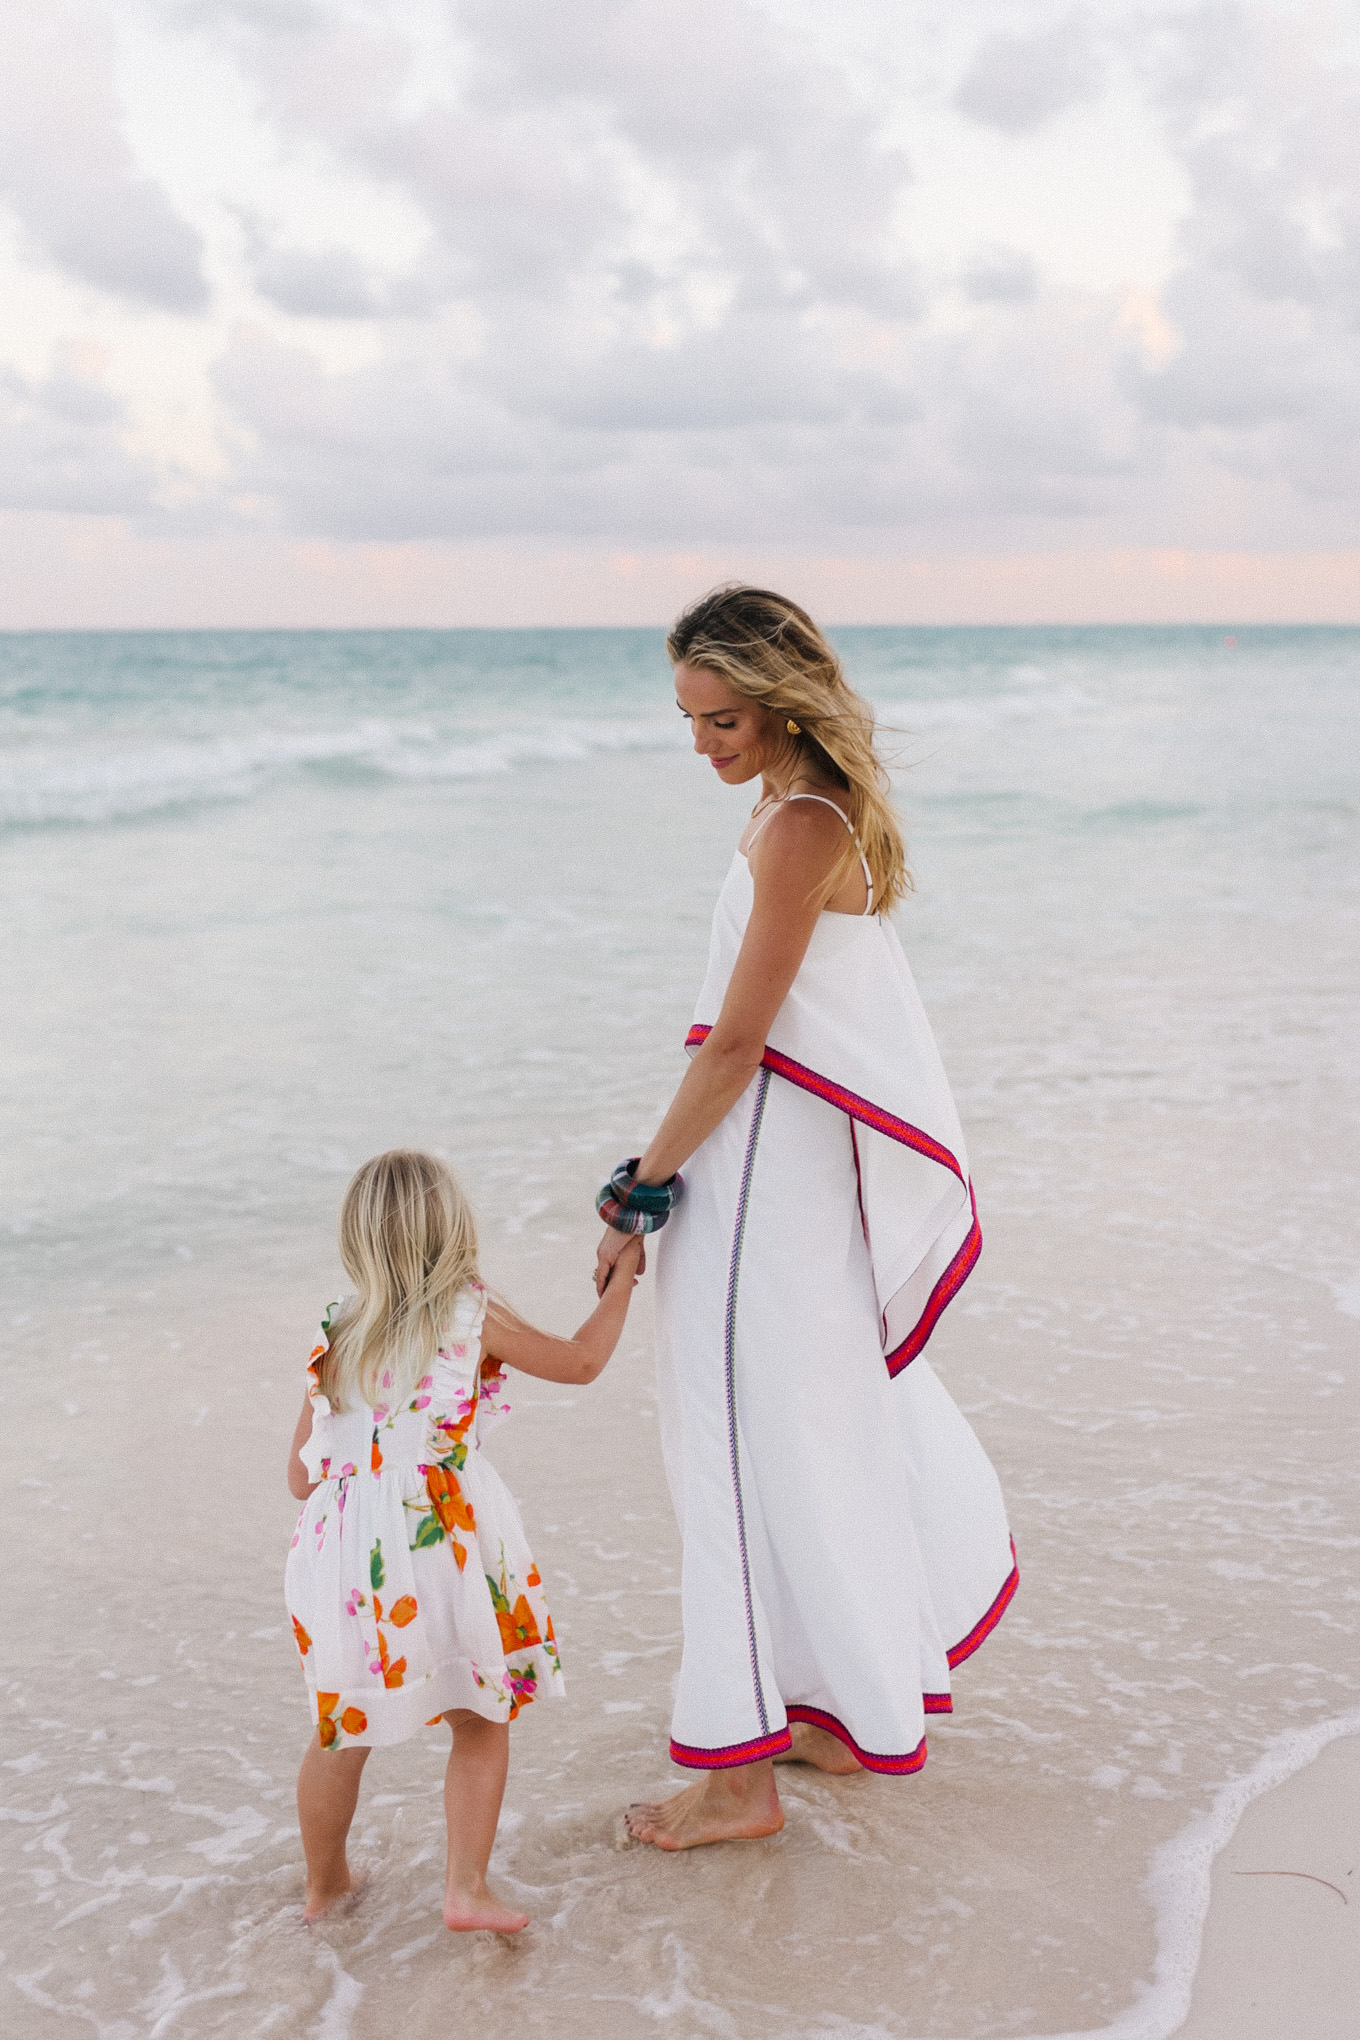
column 321, row 1900
column 725, row 1806
column 470, row 1912
column 818, row 1746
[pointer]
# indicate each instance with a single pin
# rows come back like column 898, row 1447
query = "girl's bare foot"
column 725, row 1806
column 818, row 1746
column 468, row 1912
column 322, row 1899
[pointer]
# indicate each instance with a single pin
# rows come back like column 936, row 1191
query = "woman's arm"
column 300, row 1482
column 579, row 1359
column 798, row 846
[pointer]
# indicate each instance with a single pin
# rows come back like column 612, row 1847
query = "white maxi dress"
column 845, row 1539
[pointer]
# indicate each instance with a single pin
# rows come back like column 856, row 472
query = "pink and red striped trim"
column 731, row 1754
column 773, row 1745
column 941, row 1296
column 983, row 1629
column 896, row 1767
column 850, row 1102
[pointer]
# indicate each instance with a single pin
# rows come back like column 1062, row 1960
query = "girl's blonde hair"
column 770, row 651
column 409, row 1244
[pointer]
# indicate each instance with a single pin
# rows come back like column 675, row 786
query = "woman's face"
column 735, row 735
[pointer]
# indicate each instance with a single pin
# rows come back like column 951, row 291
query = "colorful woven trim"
column 980, row 1631
column 921, row 1143
column 730, row 1755
column 941, row 1296
column 891, row 1766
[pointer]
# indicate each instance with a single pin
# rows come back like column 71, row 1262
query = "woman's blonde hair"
column 409, row 1245
column 770, row 651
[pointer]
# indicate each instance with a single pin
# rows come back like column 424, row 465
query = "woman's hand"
column 611, row 1247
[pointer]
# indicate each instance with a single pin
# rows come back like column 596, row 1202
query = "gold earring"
column 794, row 729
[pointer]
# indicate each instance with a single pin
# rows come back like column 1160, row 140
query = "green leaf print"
column 375, row 1565
column 431, row 1531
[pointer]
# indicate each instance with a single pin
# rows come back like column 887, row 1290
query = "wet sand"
column 1186, row 1594
column 1280, row 1959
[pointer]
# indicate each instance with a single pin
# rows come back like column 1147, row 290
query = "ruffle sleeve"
column 467, row 1389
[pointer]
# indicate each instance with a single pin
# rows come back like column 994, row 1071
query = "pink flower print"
column 381, row 1410
column 420, row 1402
column 387, row 1379
column 325, row 1469
column 347, row 1469
column 458, row 1351
column 355, row 1602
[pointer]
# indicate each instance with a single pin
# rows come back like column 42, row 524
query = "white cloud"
column 1018, row 82
column 682, row 271
column 60, row 445
column 68, row 174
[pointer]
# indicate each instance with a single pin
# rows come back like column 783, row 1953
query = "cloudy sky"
column 495, row 310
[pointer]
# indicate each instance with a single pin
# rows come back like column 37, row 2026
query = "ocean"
column 274, row 901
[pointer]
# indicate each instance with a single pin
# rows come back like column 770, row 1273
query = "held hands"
column 621, row 1257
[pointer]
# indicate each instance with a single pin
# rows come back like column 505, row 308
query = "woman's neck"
column 801, row 780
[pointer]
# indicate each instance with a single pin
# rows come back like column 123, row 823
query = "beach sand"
column 153, row 1863
column 1280, row 1958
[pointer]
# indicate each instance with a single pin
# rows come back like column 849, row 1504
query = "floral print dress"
column 409, row 1581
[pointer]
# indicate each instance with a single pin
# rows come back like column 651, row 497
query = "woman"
column 845, row 1541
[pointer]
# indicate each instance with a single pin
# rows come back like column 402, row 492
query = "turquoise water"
column 277, row 898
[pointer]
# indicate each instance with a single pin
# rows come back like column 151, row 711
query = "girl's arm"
column 300, row 1482
column 507, row 1338
column 799, row 843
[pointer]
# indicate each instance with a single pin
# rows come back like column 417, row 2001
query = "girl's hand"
column 611, row 1255
column 581, row 1358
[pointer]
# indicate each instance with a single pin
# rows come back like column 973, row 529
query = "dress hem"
column 872, row 1760
column 981, row 1630
column 730, row 1755
column 393, row 1714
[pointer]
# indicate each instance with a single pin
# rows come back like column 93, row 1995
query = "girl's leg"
column 327, row 1794
column 474, row 1785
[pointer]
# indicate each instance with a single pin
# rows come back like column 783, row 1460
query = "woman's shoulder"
column 804, row 835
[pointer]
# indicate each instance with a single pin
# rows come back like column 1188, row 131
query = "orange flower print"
column 447, row 1499
column 376, row 1455
column 392, row 1674
column 304, row 1642
column 403, row 1611
column 353, row 1721
column 532, row 1578
column 517, row 1626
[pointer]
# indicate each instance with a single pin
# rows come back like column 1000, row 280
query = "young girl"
column 413, row 1594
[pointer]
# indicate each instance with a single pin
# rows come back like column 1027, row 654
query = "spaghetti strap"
column 868, row 876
